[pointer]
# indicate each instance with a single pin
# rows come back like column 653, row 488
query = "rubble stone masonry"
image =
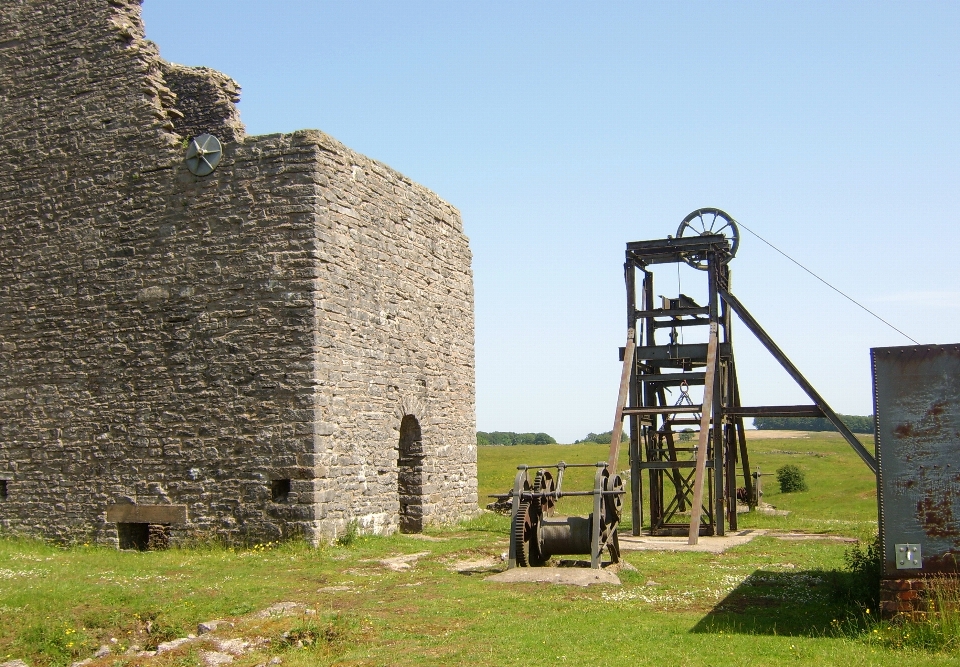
column 226, row 355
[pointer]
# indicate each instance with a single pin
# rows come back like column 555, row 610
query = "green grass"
column 842, row 499
column 767, row 602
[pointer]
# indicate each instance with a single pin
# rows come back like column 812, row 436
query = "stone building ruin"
column 282, row 347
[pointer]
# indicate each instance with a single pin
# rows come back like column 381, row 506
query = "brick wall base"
column 902, row 596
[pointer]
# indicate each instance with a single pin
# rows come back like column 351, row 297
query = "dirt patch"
column 426, row 538
column 762, row 508
column 799, row 537
column 281, row 609
column 758, row 434
column 402, row 563
column 474, row 566
column 712, row 544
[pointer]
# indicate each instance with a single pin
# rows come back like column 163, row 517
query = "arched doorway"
column 410, row 475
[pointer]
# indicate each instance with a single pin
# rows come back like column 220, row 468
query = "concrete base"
column 571, row 576
column 713, row 544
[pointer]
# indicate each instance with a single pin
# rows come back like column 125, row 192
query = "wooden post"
column 621, row 402
column 705, row 415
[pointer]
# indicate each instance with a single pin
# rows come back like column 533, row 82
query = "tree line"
column 511, row 438
column 856, row 423
column 602, row 438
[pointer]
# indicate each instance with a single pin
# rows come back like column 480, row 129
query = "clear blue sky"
column 562, row 130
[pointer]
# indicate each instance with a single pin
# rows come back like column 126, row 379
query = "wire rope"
column 845, row 296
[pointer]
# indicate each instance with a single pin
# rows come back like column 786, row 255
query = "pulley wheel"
column 706, row 221
column 544, row 484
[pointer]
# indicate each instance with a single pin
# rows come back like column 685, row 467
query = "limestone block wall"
column 238, row 349
column 395, row 336
column 199, row 99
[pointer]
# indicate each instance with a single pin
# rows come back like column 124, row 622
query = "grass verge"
column 770, row 601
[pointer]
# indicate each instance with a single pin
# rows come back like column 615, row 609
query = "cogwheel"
column 521, row 534
column 544, row 484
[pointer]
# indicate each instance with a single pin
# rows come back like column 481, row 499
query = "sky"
column 563, row 130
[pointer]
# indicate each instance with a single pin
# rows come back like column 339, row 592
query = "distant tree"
column 856, row 423
column 602, row 438
column 505, row 438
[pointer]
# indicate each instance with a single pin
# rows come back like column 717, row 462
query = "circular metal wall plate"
column 203, row 154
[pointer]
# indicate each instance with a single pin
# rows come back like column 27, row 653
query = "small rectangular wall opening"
column 144, row 536
column 3, row 489
column 134, row 535
column 280, row 490
column 158, row 536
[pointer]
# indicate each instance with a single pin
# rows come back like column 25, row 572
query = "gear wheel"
column 523, row 529
column 544, row 484
column 526, row 525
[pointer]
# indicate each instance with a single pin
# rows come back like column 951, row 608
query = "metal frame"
column 652, row 366
column 532, row 519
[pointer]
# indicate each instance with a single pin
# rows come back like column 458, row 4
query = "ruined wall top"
column 101, row 79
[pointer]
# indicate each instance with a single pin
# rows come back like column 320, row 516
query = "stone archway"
column 410, row 475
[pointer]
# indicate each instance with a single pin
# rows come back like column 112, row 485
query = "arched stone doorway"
column 410, row 475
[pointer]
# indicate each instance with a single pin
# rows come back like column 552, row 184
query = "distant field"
column 768, row 602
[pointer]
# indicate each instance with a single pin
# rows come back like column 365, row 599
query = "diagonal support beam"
column 696, row 506
column 621, row 402
column 797, row 376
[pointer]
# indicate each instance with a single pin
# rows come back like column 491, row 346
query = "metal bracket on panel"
column 908, row 557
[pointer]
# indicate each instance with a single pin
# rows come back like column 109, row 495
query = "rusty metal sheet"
column 917, row 402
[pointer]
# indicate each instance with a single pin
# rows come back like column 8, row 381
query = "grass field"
column 767, row 602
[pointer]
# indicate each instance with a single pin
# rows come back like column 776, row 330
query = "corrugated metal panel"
column 917, row 403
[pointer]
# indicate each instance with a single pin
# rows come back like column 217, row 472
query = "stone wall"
column 238, row 349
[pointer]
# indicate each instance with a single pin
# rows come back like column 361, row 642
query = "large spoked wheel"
column 706, row 221
column 544, row 484
column 612, row 510
column 614, row 501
